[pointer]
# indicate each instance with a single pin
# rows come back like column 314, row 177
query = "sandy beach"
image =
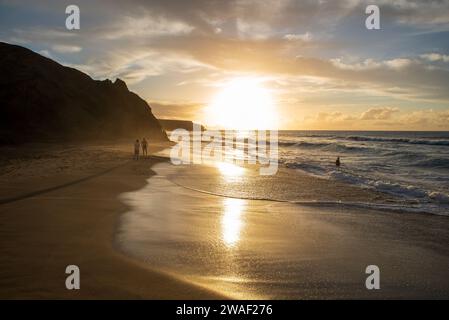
column 148, row 230
column 60, row 207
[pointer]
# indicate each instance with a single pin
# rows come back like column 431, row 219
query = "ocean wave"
column 441, row 163
column 310, row 168
column 403, row 191
column 436, row 142
column 408, row 191
column 403, row 155
column 396, row 208
column 349, row 178
column 326, row 146
column 303, row 135
column 400, row 207
column 414, row 159
column 338, row 147
column 439, row 197
column 304, row 144
column 287, row 144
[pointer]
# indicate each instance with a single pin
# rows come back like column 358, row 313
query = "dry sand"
column 60, row 207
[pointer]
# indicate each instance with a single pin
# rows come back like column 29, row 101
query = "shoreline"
column 44, row 233
column 252, row 249
column 56, row 226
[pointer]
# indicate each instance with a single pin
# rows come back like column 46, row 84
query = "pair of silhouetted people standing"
column 137, row 145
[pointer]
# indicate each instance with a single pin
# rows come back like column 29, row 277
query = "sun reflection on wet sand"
column 231, row 221
column 229, row 171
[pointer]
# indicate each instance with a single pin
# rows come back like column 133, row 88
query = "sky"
column 322, row 68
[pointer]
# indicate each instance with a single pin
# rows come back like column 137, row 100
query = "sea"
column 413, row 166
column 310, row 230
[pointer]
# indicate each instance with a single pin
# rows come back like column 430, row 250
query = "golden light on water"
column 243, row 104
column 229, row 170
column 231, row 222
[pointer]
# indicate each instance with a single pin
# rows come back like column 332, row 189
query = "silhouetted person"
column 136, row 149
column 337, row 162
column 144, row 144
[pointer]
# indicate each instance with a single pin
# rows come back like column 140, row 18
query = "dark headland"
column 172, row 124
column 41, row 100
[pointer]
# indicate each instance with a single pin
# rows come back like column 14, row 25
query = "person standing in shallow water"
column 144, row 147
column 337, row 162
column 136, row 149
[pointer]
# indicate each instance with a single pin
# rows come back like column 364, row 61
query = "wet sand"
column 60, row 207
column 251, row 249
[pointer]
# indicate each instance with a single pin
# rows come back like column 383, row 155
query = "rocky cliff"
column 41, row 100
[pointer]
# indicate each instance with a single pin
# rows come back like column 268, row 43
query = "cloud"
column 307, row 45
column 137, row 64
column 146, row 38
column 335, row 116
column 66, row 48
column 371, row 64
column 303, row 37
column 435, row 57
column 399, row 63
column 381, row 118
column 427, row 119
column 143, row 26
column 430, row 14
column 46, row 53
column 176, row 110
column 384, row 113
column 43, row 35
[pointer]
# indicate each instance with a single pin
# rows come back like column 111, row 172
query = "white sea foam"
column 413, row 166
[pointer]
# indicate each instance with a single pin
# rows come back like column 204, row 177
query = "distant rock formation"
column 171, row 125
column 41, row 100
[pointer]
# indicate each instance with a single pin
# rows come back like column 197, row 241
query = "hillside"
column 41, row 100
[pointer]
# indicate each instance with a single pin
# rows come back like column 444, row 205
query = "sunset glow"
column 243, row 103
column 232, row 157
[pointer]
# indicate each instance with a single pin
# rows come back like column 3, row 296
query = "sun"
column 243, row 104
